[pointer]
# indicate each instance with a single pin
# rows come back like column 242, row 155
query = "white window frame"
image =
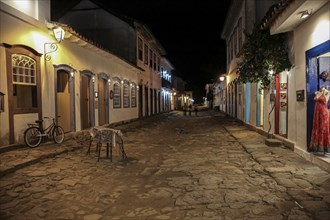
column 126, row 94
column 116, row 95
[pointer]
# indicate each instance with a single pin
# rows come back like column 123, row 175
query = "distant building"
column 129, row 39
column 166, row 70
column 290, row 112
column 209, row 95
column 243, row 100
column 88, row 76
column 178, row 92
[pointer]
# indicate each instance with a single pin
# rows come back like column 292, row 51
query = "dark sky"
column 189, row 31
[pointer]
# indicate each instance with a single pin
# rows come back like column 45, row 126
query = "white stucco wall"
column 17, row 28
column 309, row 34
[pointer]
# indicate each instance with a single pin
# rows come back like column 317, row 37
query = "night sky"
column 189, row 31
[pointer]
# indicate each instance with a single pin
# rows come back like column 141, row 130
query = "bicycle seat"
column 39, row 121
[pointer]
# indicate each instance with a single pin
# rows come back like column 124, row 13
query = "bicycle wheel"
column 58, row 134
column 32, row 137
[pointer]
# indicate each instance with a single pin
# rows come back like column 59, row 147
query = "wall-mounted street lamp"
column 222, row 78
column 59, row 36
column 305, row 14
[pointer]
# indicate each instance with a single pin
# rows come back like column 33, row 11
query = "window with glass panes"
column 240, row 34
column 146, row 51
column 24, row 81
column 126, row 91
column 140, row 48
column 116, row 95
column 150, row 57
column 155, row 60
column 133, row 95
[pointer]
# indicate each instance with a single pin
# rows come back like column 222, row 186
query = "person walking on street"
column 190, row 107
column 195, row 109
column 185, row 109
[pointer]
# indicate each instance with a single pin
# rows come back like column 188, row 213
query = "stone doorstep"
column 273, row 142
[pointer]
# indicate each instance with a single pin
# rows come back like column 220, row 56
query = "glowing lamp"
column 304, row 14
column 222, row 78
column 58, row 34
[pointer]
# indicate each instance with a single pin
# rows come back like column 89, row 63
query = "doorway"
column 146, row 96
column 318, row 60
column 247, row 102
column 140, row 90
column 86, row 101
column 103, row 100
column 281, row 104
column 64, row 95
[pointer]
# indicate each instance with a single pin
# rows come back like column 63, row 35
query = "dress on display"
column 320, row 140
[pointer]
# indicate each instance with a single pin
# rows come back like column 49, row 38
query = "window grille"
column 24, row 70
column 116, row 96
column 133, row 96
column 126, row 95
column 146, row 51
column 140, row 48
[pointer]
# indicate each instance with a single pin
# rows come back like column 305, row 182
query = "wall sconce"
column 305, row 14
column 72, row 73
column 222, row 78
column 93, row 79
column 59, row 36
column 109, row 81
column 96, row 93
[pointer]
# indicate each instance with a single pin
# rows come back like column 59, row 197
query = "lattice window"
column 133, row 95
column 116, row 95
column 140, row 48
column 126, row 94
column 24, row 70
column 146, row 51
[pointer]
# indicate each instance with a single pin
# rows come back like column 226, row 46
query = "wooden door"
column 85, row 102
column 63, row 101
column 102, row 102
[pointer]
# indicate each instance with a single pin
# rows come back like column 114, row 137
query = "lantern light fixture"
column 305, row 14
column 52, row 47
column 58, row 34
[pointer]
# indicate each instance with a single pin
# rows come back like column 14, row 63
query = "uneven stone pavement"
column 204, row 167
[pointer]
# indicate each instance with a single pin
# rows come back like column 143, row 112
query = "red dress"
column 320, row 140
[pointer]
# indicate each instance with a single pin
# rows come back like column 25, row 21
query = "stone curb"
column 35, row 160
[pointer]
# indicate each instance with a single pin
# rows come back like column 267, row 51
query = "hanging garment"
column 320, row 140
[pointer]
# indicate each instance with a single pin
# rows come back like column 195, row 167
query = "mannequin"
column 326, row 93
column 320, row 139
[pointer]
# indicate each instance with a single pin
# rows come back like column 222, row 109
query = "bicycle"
column 34, row 134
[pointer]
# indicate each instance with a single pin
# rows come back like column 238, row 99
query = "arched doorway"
column 86, row 99
column 64, row 84
column 318, row 60
column 103, row 99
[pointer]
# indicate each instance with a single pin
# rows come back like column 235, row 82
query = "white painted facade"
column 307, row 34
column 74, row 54
column 304, row 36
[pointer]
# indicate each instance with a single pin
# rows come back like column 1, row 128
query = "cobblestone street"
column 178, row 167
